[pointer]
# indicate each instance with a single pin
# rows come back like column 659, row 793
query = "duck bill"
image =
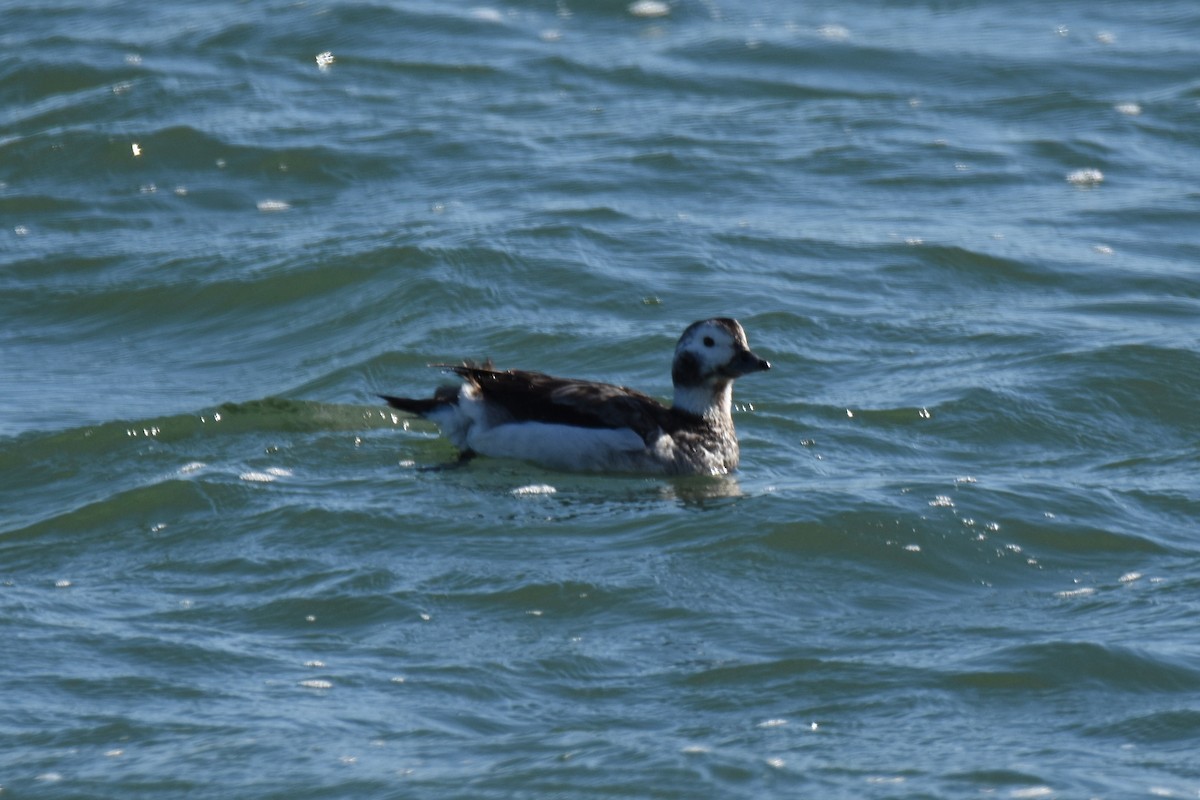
column 744, row 363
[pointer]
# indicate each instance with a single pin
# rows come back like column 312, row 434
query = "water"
column 959, row 559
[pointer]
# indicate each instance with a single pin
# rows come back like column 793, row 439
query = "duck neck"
column 713, row 403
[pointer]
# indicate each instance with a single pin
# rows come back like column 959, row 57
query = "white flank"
column 558, row 446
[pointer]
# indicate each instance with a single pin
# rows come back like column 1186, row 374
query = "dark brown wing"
column 535, row 397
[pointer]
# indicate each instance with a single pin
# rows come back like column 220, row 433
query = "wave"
column 73, row 481
column 1066, row 665
column 1170, row 728
column 184, row 155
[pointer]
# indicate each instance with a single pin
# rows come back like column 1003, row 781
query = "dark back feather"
column 536, row 397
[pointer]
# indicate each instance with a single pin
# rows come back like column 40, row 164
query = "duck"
column 579, row 425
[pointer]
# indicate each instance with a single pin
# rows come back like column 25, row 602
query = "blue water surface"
column 960, row 557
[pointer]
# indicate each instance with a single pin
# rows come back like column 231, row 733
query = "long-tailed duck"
column 562, row 423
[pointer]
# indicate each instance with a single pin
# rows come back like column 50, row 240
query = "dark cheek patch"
column 686, row 371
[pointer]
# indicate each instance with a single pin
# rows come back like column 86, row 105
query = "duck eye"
column 708, row 341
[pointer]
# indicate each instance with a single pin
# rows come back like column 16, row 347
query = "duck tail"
column 411, row 404
column 444, row 396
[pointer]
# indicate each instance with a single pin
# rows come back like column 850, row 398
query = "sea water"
column 960, row 557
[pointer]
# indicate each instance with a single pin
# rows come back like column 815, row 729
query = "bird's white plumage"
column 704, row 401
column 564, row 447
